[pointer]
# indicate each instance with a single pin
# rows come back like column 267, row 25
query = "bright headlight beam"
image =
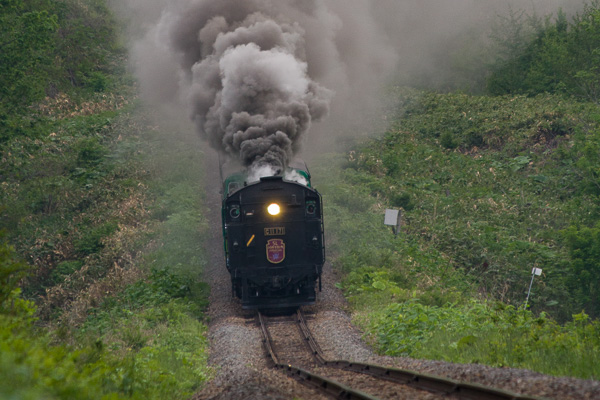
column 273, row 209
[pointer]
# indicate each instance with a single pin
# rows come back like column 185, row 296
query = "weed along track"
column 292, row 349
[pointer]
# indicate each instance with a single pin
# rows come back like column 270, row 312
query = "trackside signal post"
column 534, row 272
column 394, row 219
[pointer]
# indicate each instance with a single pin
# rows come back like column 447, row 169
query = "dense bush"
column 491, row 334
column 495, row 207
column 81, row 170
column 583, row 244
column 49, row 47
column 78, row 208
column 552, row 56
column 30, row 366
column 169, row 366
column 12, row 270
column 514, row 123
column 415, row 296
column 26, row 33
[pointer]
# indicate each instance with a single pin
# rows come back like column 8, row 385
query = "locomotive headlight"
column 273, row 209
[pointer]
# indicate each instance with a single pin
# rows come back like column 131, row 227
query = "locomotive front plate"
column 275, row 231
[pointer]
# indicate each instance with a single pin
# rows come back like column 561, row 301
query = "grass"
column 489, row 189
column 113, row 225
column 105, row 207
column 494, row 212
column 158, row 321
column 492, row 334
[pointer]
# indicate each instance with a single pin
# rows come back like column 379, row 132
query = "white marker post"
column 534, row 272
column 393, row 218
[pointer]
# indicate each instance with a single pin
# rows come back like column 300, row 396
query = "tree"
column 560, row 57
column 26, row 37
column 584, row 250
column 12, row 271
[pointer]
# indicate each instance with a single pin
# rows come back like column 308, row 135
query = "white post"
column 534, row 272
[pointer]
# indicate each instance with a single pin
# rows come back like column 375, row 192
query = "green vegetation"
column 498, row 201
column 550, row 55
column 114, row 230
column 495, row 334
column 478, row 216
column 105, row 211
column 171, row 365
column 108, row 301
column 49, row 48
column 490, row 187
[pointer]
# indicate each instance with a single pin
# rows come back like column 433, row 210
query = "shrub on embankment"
column 489, row 187
column 104, row 208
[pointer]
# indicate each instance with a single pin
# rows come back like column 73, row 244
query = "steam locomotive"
column 273, row 238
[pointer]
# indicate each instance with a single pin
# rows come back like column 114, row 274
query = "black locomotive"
column 273, row 238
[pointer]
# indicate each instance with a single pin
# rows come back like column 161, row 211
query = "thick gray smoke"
column 250, row 93
column 255, row 74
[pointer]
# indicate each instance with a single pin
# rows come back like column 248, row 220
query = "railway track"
column 294, row 351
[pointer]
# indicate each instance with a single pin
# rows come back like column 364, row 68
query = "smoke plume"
column 255, row 74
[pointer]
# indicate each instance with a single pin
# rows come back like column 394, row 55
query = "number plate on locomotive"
column 274, row 231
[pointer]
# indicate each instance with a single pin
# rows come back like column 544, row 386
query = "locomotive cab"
column 273, row 239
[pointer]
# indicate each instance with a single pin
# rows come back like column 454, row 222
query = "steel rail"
column 431, row 383
column 325, row 385
column 467, row 391
column 308, row 337
column 318, row 382
column 267, row 341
